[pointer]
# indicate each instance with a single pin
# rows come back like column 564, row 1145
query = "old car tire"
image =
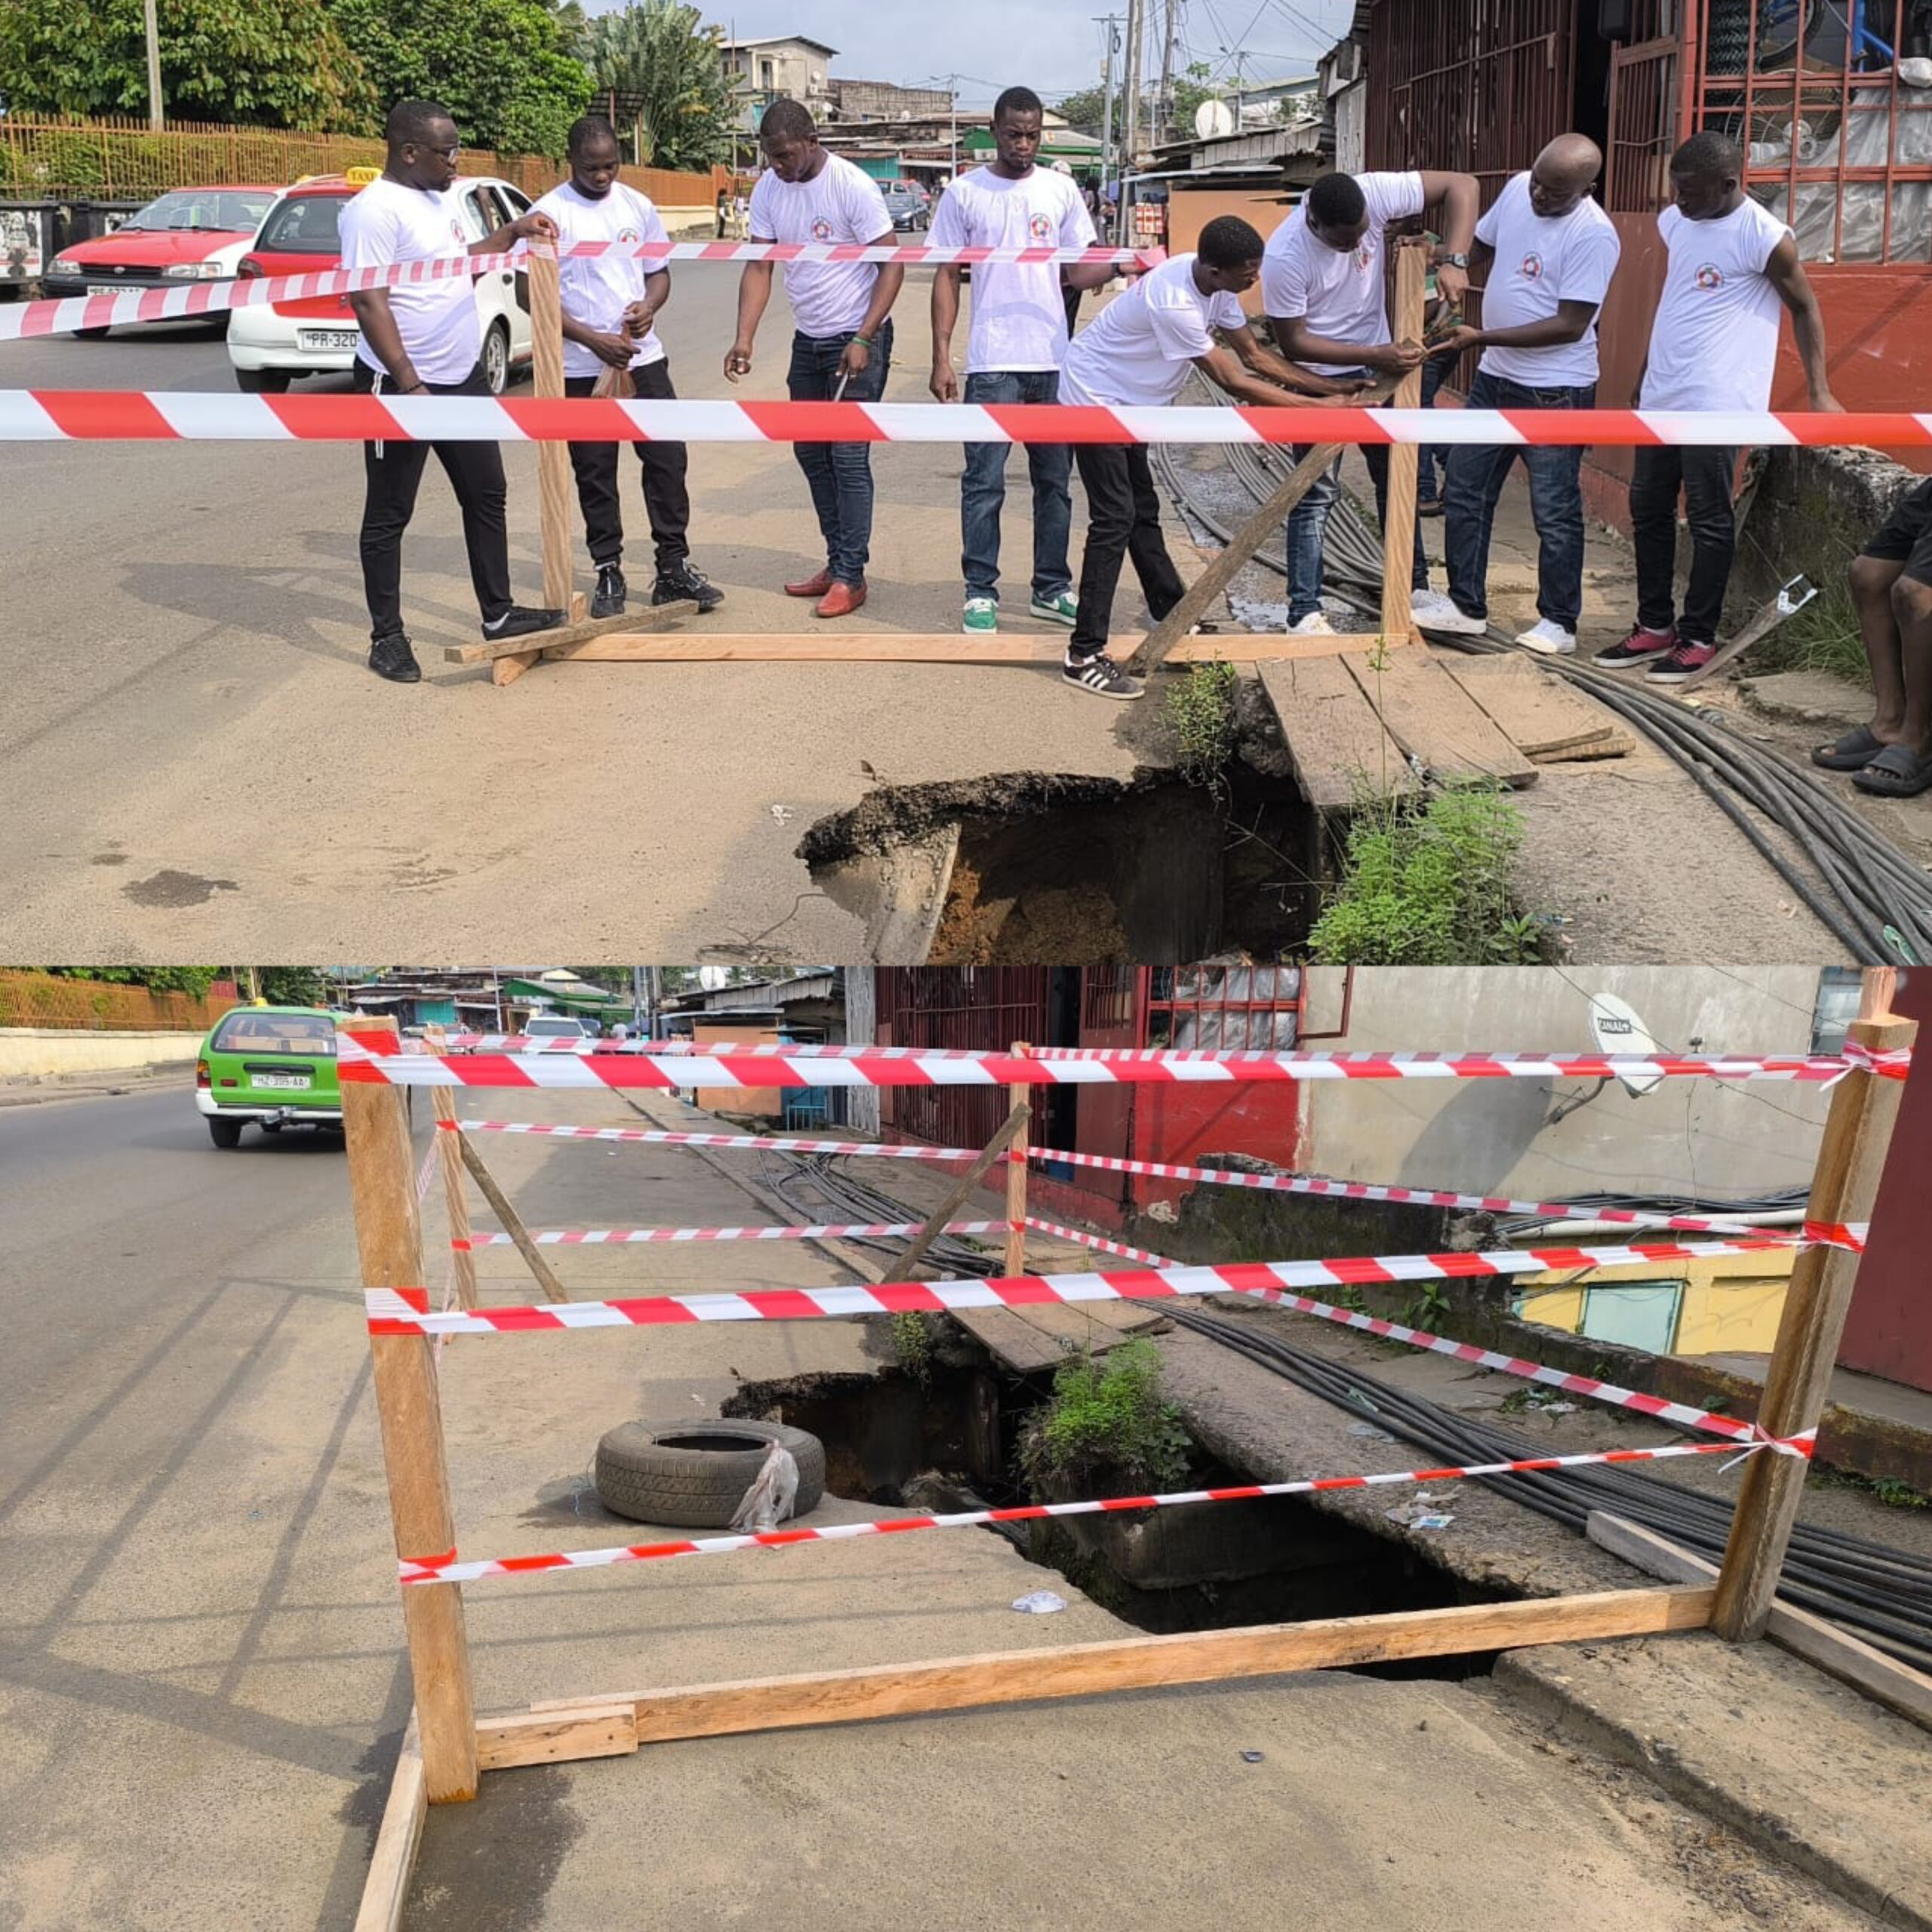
column 225, row 1132
column 92, row 335
column 262, row 382
column 694, row 1474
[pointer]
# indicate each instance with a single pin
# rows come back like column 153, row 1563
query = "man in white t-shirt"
column 424, row 339
column 842, row 347
column 1734, row 270
column 611, row 304
column 1013, row 351
column 1136, row 354
column 1323, row 286
column 1554, row 252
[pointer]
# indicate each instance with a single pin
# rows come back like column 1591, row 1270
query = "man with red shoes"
column 841, row 350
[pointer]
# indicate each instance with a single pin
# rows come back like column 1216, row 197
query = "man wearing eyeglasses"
column 424, row 339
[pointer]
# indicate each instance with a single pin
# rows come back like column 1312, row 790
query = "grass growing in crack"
column 1429, row 885
column 1106, row 1429
column 1824, row 636
column 912, row 1345
column 1201, row 712
column 1886, row 1489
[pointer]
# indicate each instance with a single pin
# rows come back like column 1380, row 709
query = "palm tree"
column 674, row 101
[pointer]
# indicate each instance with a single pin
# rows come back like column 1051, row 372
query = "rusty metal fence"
column 43, row 1000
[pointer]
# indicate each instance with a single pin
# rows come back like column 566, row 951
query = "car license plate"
column 107, row 288
column 281, row 1080
column 315, row 340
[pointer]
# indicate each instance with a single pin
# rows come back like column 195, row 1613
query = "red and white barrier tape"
column 1100, row 1241
column 43, row 415
column 63, row 314
column 785, row 1143
column 621, row 1237
column 449, row 1570
column 425, row 1175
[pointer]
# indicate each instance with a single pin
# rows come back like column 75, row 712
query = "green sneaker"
column 981, row 617
column 1060, row 610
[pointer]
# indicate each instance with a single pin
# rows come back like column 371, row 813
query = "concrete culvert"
column 694, row 1474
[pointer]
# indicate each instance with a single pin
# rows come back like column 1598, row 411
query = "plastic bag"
column 774, row 1490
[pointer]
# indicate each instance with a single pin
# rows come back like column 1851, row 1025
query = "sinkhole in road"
column 946, row 1440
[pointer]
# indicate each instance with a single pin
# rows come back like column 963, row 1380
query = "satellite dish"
column 1213, row 119
column 1617, row 1029
column 710, row 978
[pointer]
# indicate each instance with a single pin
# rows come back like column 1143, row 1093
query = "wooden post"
column 449, row 1156
column 553, row 460
column 1851, row 1159
column 1398, row 518
column 1012, row 1128
column 1021, row 1095
column 500, row 1206
column 388, row 1242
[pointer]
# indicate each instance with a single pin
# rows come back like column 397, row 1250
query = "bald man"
column 1554, row 251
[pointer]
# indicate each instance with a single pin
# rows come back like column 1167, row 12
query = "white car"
column 558, row 1026
column 271, row 344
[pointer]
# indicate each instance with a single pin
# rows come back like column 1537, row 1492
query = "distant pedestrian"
column 611, row 303
column 423, row 338
column 1020, row 325
column 842, row 346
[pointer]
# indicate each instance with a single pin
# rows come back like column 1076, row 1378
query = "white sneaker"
column 1435, row 612
column 1552, row 639
column 1314, row 624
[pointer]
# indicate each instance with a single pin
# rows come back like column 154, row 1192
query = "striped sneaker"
column 1100, row 674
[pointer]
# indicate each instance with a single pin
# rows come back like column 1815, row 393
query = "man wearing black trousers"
column 424, row 339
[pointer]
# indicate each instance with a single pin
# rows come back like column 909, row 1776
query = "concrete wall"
column 1491, row 1135
column 28, row 1053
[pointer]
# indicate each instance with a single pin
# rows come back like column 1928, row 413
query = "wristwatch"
column 1455, row 261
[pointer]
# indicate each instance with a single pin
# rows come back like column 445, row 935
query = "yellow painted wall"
column 1730, row 1305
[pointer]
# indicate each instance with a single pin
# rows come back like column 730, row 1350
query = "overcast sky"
column 1054, row 45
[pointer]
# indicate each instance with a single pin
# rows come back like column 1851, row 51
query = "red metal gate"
column 1645, row 81
column 982, row 1008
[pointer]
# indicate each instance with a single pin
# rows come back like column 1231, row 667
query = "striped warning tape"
column 1100, row 1241
column 449, row 1570
column 620, row 1236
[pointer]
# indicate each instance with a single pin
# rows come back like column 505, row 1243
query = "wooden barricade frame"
column 448, row 1746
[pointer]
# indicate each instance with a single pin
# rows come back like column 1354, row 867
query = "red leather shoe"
column 812, row 586
column 841, row 600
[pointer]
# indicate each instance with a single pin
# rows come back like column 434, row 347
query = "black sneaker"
column 520, row 620
column 686, row 585
column 607, row 599
column 390, row 657
column 1101, row 675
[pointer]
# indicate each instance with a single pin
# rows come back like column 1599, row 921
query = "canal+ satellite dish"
column 1213, row 119
column 1617, row 1029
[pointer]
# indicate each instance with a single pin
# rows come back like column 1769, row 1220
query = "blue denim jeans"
column 839, row 475
column 1475, row 482
column 982, row 490
column 1432, row 458
column 1309, row 518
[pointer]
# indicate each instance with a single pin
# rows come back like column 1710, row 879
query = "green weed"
column 1201, row 711
column 1107, row 1426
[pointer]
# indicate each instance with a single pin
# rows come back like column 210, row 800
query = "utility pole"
column 1164, row 128
column 1110, row 24
column 154, row 65
column 1129, row 147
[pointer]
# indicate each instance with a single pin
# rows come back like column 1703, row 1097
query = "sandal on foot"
column 1853, row 752
column 1897, row 772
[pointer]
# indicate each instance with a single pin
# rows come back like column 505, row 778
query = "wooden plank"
column 1024, row 1348
column 1837, row 1652
column 1539, row 714
column 381, row 1185
column 900, row 1268
column 653, row 615
column 611, row 647
column 1851, row 1159
column 566, row 639
column 1137, row 1663
column 1399, row 516
column 1430, row 714
column 596, row 1731
column 1078, row 1328
column 553, row 460
column 499, row 1205
column 1619, row 744
column 1019, row 1095
column 1340, row 747
column 401, row 1833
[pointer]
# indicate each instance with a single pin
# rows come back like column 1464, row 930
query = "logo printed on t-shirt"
column 456, row 232
column 630, row 232
column 1532, row 267
column 1710, row 276
column 1040, row 228
column 821, row 228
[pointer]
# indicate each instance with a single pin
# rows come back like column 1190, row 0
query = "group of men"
column 1551, row 252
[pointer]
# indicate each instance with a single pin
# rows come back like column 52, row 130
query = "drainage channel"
column 948, row 1440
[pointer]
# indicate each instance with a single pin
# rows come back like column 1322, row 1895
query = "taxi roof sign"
column 361, row 177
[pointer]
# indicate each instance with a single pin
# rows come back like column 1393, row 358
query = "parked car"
column 558, row 1026
column 186, row 235
column 272, row 344
column 907, row 208
column 271, row 1066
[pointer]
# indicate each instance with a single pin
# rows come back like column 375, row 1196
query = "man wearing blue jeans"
column 1555, row 251
column 1017, row 342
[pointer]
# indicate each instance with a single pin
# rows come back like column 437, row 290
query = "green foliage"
column 295, row 985
column 1084, row 109
column 193, row 980
column 912, row 1344
column 1201, row 710
column 659, row 54
column 273, row 63
column 1429, row 887
column 1428, row 1305
column 1106, row 1427
column 505, row 69
column 1824, row 636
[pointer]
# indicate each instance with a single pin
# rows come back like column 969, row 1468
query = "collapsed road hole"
column 1029, row 865
column 949, row 1443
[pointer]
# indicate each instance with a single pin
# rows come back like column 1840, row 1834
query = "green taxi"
column 274, row 1066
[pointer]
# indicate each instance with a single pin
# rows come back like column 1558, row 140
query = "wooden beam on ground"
column 1432, row 717
column 1837, row 1652
column 1398, row 510
column 1851, row 1159
column 499, row 1205
column 1541, row 715
column 1018, row 1096
column 900, row 1268
column 568, row 638
column 382, row 1184
column 1341, row 750
column 612, row 645
column 1267, row 519
column 595, row 1730
column 401, row 1833
column 1137, row 1663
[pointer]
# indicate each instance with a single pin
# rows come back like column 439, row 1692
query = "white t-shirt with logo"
column 1715, row 339
column 1341, row 296
column 1541, row 262
column 387, row 222
column 1019, row 315
column 840, row 203
column 597, row 289
column 1136, row 352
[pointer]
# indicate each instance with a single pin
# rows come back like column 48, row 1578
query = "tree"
column 1085, row 111
column 193, row 980
column 295, row 985
column 505, row 69
column 667, row 71
column 272, row 63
